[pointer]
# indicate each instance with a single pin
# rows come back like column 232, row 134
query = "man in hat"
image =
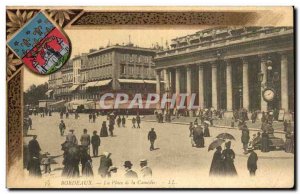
column 71, row 137
column 145, row 170
column 245, row 137
column 252, row 161
column 129, row 172
column 95, row 141
column 152, row 137
column 105, row 163
column 62, row 127
column 85, row 139
column 112, row 172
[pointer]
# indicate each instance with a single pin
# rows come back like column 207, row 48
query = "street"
column 175, row 163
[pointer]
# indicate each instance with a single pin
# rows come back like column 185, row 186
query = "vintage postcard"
column 150, row 97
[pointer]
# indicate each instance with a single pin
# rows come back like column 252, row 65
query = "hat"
column 71, row 130
column 228, row 144
column 94, row 131
column 127, row 164
column 111, row 168
column 250, row 148
column 143, row 161
column 106, row 154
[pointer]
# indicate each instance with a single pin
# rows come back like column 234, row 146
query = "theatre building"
column 232, row 68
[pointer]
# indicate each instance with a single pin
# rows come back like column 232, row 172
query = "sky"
column 84, row 40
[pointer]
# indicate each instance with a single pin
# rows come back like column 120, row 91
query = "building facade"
column 232, row 68
column 126, row 68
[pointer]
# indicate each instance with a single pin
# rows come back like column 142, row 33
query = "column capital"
column 245, row 60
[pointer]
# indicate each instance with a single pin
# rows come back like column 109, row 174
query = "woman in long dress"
column 265, row 142
column 104, row 132
column 206, row 130
column 86, row 162
column 289, row 144
column 229, row 156
column 217, row 167
column 71, row 161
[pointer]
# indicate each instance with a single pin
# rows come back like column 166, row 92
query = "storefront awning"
column 150, row 81
column 103, row 82
column 48, row 92
column 90, row 84
column 60, row 103
column 73, row 88
column 135, row 81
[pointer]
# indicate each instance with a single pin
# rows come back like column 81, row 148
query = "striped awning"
column 90, row 84
column 103, row 83
column 73, row 88
column 135, row 81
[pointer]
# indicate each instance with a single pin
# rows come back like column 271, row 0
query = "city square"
column 173, row 158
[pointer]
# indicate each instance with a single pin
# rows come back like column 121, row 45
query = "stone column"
column 284, row 83
column 157, row 81
column 201, row 87
column 245, row 84
column 214, row 86
column 263, row 68
column 228, row 86
column 177, row 85
column 189, row 86
column 166, row 79
column 157, row 74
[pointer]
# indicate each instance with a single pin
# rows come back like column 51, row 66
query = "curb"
column 218, row 126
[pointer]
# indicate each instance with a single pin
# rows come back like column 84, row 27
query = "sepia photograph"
column 170, row 98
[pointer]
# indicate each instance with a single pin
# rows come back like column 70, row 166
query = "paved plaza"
column 174, row 156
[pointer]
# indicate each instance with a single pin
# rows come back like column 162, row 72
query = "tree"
column 35, row 93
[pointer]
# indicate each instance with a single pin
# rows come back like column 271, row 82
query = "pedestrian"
column 129, row 172
column 146, row 171
column 217, row 166
column 285, row 125
column 61, row 114
column 265, row 142
column 123, row 121
column 94, row 117
column 198, row 136
column 104, row 132
column 71, row 160
column 71, row 137
column 86, row 163
column 46, row 163
column 228, row 157
column 191, row 128
column 111, row 129
column 112, row 171
column 252, row 161
column 119, row 120
column 33, row 166
column 206, row 130
column 232, row 122
column 138, row 121
column 152, row 137
column 105, row 163
column 90, row 117
column 95, row 141
column 245, row 138
column 289, row 143
column 62, row 127
column 29, row 123
column 133, row 122
column 67, row 115
column 85, row 140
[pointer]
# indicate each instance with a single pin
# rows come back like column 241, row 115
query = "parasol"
column 225, row 136
column 216, row 143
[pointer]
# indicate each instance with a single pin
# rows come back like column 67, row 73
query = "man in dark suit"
column 129, row 172
column 152, row 137
column 95, row 140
